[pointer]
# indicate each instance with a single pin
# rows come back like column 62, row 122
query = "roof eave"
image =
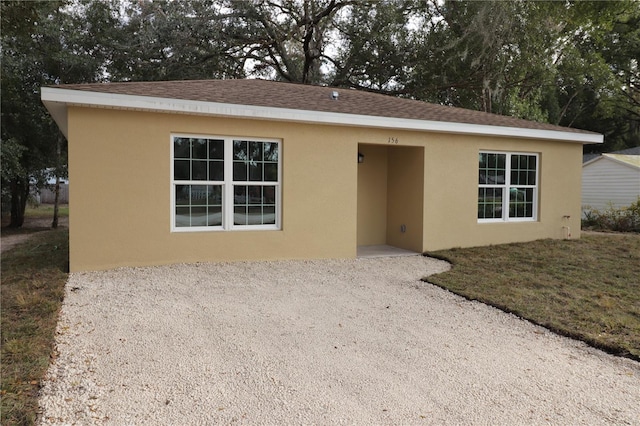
column 57, row 109
column 56, row 101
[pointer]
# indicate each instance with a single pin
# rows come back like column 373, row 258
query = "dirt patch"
column 11, row 237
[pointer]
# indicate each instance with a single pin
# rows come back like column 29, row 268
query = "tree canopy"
column 573, row 63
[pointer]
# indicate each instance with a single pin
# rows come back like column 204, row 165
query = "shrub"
column 624, row 219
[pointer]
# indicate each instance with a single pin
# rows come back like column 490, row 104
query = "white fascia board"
column 58, row 111
column 52, row 96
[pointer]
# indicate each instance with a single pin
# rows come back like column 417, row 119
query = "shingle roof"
column 310, row 98
column 632, row 160
column 628, row 151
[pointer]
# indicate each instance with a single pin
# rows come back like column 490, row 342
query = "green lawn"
column 46, row 211
column 588, row 289
column 33, row 280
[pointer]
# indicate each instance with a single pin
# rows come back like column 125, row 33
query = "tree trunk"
column 56, row 203
column 19, row 195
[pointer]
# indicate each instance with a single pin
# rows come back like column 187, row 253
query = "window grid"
column 225, row 183
column 512, row 174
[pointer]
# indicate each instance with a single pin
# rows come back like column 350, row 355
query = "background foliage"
column 572, row 63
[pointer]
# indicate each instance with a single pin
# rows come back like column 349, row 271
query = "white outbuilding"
column 611, row 180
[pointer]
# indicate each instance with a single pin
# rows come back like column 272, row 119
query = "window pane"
column 254, row 216
column 181, row 148
column 255, row 194
column 182, row 195
column 181, row 170
column 255, row 172
column 254, row 205
column 214, row 216
column 214, row 195
column 216, row 149
column 523, row 168
column 240, row 171
column 240, row 195
column 489, row 203
column 216, row 170
column 271, row 172
column 199, row 170
column 199, row 195
column 269, row 215
column 270, row 151
column 240, row 150
column 198, row 216
column 240, row 215
column 255, row 151
column 269, row 194
column 183, row 217
column 199, row 149
column 198, row 205
column 521, row 202
column 491, row 168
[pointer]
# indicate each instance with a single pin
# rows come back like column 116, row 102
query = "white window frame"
column 506, row 189
column 227, row 186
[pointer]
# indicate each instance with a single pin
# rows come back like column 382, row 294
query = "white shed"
column 611, row 179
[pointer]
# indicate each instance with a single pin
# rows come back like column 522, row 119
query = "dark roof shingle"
column 311, row 98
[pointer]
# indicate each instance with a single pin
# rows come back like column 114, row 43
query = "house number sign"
column 393, row 140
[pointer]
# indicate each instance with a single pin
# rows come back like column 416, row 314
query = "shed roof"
column 629, row 151
column 624, row 159
column 264, row 99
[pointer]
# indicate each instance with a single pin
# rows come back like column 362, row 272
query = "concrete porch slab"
column 384, row 251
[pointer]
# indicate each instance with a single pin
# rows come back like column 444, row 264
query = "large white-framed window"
column 225, row 183
column 507, row 186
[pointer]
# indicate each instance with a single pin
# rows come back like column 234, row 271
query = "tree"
column 285, row 40
column 172, row 40
column 42, row 43
column 23, row 127
column 374, row 45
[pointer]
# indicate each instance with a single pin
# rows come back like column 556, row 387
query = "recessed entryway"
column 390, row 196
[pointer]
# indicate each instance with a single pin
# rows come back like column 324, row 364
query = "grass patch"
column 587, row 289
column 46, row 211
column 36, row 219
column 33, row 279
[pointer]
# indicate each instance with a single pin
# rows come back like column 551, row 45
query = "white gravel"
column 316, row 342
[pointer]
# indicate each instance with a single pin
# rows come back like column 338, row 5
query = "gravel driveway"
column 316, row 342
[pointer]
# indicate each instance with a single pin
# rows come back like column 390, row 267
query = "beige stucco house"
column 228, row 170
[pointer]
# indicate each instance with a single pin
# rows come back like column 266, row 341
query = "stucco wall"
column 120, row 203
column 372, row 195
column 405, row 197
column 119, row 166
column 451, row 176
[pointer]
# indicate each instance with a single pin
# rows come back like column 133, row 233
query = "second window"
column 507, row 187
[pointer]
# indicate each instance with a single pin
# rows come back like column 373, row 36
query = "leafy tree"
column 41, row 45
column 374, row 45
column 172, row 40
column 288, row 39
column 24, row 147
